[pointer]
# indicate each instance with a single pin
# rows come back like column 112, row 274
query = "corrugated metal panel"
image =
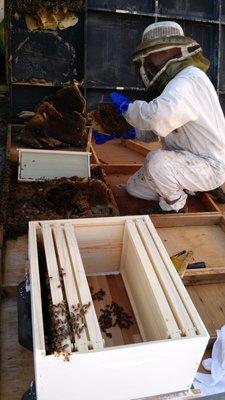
column 189, row 8
column 143, row 6
column 110, row 44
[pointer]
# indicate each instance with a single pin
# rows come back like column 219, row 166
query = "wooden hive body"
column 172, row 339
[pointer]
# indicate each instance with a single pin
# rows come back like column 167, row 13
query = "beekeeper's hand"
column 120, row 102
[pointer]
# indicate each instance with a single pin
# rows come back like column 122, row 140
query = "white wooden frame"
column 39, row 165
column 167, row 360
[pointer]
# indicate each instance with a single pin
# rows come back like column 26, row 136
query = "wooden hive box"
column 161, row 355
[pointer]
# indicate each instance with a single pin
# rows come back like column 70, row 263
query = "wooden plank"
column 38, row 165
column 183, row 319
column 89, row 138
column 95, row 159
column 116, row 332
column 95, row 282
column 34, row 84
column 119, row 295
column 112, row 152
column 16, row 362
column 120, row 168
column 209, row 300
column 174, row 276
column 127, row 282
column 146, row 289
column 100, row 246
column 210, row 203
column 36, row 306
column 204, row 276
column 99, row 221
column 206, row 241
column 15, row 263
column 141, row 147
column 193, row 219
column 71, row 291
column 85, row 296
column 54, row 280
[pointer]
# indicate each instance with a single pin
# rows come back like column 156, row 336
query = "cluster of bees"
column 66, row 327
column 59, row 328
column 112, row 315
column 77, row 318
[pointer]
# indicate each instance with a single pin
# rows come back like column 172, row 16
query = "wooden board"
column 204, row 276
column 40, row 165
column 220, row 205
column 156, row 322
column 16, row 365
column 113, row 152
column 141, row 147
column 205, row 236
column 114, row 289
column 210, row 303
column 15, row 263
column 206, row 242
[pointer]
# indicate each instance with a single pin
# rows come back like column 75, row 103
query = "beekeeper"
column 184, row 111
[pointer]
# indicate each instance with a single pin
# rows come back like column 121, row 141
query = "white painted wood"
column 122, row 373
column 100, row 247
column 176, row 279
column 39, row 165
column 100, row 221
column 71, row 290
column 182, row 317
column 153, row 309
column 85, row 295
column 54, row 280
column 36, row 304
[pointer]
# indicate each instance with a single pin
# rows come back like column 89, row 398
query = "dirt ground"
column 58, row 199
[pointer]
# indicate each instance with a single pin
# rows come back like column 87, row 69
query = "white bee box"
column 39, row 165
column 173, row 337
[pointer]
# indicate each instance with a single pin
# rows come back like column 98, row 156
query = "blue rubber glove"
column 120, row 102
column 100, row 138
column 129, row 135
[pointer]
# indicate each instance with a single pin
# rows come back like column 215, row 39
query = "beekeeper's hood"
column 162, row 36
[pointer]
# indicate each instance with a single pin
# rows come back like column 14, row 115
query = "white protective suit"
column 189, row 118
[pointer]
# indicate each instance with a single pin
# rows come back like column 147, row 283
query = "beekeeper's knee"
column 154, row 163
column 131, row 186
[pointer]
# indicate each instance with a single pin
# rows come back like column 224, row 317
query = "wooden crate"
column 13, row 145
column 205, row 236
column 163, row 356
